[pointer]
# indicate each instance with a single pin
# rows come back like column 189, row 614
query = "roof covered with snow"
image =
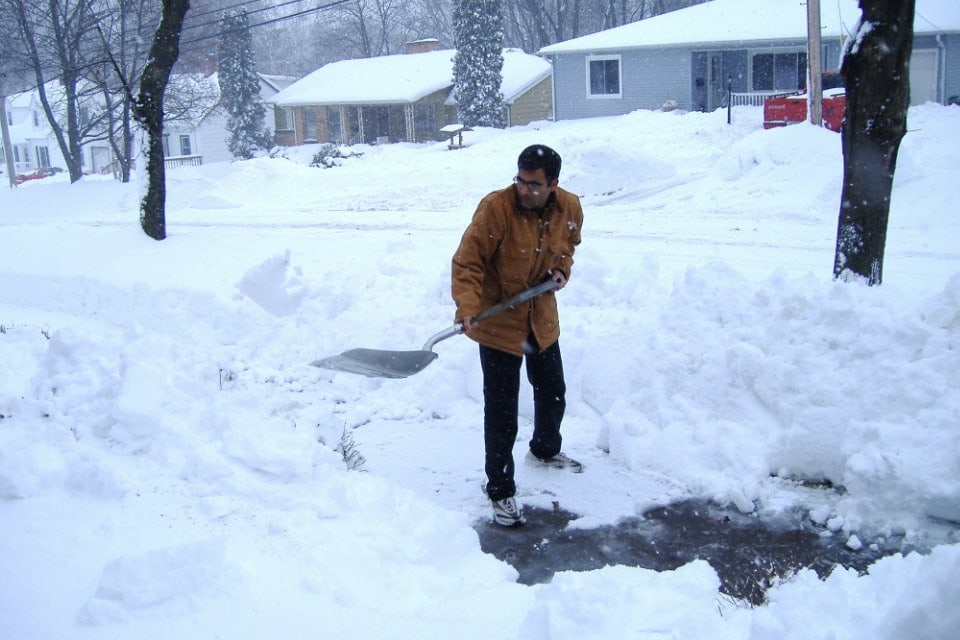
column 402, row 79
column 738, row 21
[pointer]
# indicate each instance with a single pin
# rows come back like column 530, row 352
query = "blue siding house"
column 687, row 58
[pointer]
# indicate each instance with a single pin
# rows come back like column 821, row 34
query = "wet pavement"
column 748, row 552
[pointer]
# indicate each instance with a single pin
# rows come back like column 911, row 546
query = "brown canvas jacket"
column 507, row 249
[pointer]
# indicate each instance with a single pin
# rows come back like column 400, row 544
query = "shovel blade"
column 375, row 363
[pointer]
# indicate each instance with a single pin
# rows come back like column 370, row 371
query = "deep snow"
column 170, row 466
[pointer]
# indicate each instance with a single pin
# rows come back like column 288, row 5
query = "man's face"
column 533, row 188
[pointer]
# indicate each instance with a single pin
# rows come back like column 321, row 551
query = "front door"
column 715, row 82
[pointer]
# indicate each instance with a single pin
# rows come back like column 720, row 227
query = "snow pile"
column 171, row 466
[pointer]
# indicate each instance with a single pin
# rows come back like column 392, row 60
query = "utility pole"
column 7, row 147
column 814, row 63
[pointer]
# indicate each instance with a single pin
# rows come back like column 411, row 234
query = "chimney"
column 423, row 46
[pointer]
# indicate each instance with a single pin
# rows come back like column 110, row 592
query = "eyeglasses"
column 532, row 185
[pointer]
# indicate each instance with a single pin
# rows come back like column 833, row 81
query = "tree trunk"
column 876, row 73
column 149, row 112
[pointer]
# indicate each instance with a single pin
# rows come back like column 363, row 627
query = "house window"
column 185, row 145
column 43, row 157
column 286, row 116
column 603, row 77
column 779, row 71
column 166, row 145
column 36, row 119
column 424, row 120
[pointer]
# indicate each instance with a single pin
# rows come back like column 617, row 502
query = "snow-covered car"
column 781, row 110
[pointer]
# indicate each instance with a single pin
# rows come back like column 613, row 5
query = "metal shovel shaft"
column 400, row 364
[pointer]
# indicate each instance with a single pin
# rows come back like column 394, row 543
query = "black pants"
column 501, row 391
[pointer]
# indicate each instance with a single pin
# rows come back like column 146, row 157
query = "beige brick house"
column 400, row 98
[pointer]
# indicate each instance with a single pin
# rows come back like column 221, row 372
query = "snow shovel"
column 400, row 364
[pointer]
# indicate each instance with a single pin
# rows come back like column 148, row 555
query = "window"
column 779, row 71
column 184, row 145
column 43, row 157
column 424, row 119
column 286, row 117
column 166, row 145
column 36, row 119
column 603, row 77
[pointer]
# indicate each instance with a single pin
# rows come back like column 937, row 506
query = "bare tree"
column 875, row 70
column 430, row 19
column 148, row 110
column 57, row 37
column 8, row 84
column 532, row 24
column 123, row 35
column 368, row 27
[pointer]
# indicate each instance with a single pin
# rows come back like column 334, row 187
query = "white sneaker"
column 559, row 461
column 507, row 513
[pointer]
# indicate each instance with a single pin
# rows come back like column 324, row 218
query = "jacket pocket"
column 515, row 266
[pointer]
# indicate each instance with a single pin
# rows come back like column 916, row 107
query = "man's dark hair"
column 538, row 156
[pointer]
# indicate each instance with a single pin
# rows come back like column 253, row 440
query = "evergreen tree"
column 240, row 87
column 478, row 65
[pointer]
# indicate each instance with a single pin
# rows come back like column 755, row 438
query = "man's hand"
column 559, row 278
column 466, row 322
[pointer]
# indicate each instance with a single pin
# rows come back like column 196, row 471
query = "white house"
column 197, row 134
column 195, row 131
column 32, row 141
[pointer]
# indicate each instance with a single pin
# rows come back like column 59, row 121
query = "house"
column 30, row 139
column 33, row 143
column 404, row 97
column 195, row 128
column 759, row 47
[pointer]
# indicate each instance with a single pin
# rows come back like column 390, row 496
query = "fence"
column 172, row 162
column 752, row 99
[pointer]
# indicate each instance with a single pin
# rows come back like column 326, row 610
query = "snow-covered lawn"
column 172, row 467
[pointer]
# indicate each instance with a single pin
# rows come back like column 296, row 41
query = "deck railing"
column 752, row 98
column 172, row 162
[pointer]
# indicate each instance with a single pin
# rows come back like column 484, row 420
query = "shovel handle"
column 523, row 296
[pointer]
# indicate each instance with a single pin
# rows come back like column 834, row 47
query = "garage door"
column 923, row 76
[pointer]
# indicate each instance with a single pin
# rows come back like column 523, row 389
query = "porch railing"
column 752, row 98
column 172, row 162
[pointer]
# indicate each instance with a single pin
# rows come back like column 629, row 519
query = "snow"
column 403, row 78
column 748, row 20
column 171, row 466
